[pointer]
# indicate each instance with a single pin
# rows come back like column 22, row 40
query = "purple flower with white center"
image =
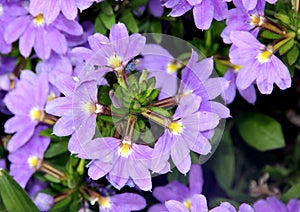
column 33, row 32
column 203, row 10
column 259, row 64
column 27, row 102
column 251, row 4
column 113, row 52
column 179, row 192
column 196, row 79
column 124, row 202
column 7, row 65
column 240, row 19
column 184, row 134
column 273, row 204
column 161, row 65
column 198, row 203
column 27, row 159
column 121, row 160
column 249, row 94
column 52, row 8
column 43, row 201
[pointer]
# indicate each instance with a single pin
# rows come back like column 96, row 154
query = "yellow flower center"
column 93, row 108
column 104, row 202
column 125, row 148
column 187, row 204
column 115, row 61
column 264, row 56
column 257, row 20
column 37, row 114
column 173, row 67
column 39, row 20
column 176, row 127
column 34, row 162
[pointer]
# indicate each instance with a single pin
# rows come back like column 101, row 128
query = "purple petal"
column 246, row 208
column 181, row 156
column 203, row 14
column 41, row 46
column 27, row 41
column 172, row 191
column 51, row 10
column 63, row 126
column 281, row 73
column 199, row 203
column 249, row 4
column 16, row 28
column 208, row 120
column 158, row 207
column 98, row 169
column 196, row 179
column 129, row 201
column 243, row 39
column 69, row 9
column 118, row 32
column 156, row 8
column 175, row 206
column 220, row 10
column 57, row 41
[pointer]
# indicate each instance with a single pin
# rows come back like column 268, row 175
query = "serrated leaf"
column 261, row 132
column 293, row 55
column 130, row 22
column 285, row 48
column 13, row 196
column 107, row 20
column 56, row 149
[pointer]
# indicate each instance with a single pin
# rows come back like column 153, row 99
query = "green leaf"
column 138, row 2
column 261, row 132
column 293, row 55
column 224, row 162
column 283, row 18
column 270, row 35
column 160, row 111
column 156, row 29
column 106, row 8
column 13, row 196
column 293, row 192
column 130, row 22
column 107, row 20
column 99, row 26
column 62, row 205
column 285, row 48
column 56, row 149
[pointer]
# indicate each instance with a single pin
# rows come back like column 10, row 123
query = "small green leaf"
column 293, row 192
column 99, row 26
column 160, row 111
column 283, row 18
column 106, row 8
column 130, row 22
column 138, row 2
column 261, row 132
column 285, row 48
column 107, row 20
column 293, row 55
column 13, row 196
column 62, row 205
column 270, row 35
column 56, row 149
column 156, row 29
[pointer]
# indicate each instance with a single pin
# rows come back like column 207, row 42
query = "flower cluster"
column 93, row 109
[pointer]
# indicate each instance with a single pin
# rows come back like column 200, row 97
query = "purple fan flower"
column 27, row 159
column 33, row 32
column 179, row 192
column 52, row 8
column 251, row 4
column 197, row 79
column 240, row 19
column 197, row 203
column 124, row 202
column 259, row 64
column 227, row 207
column 203, row 10
column 43, row 201
column 273, row 204
column 121, row 160
column 162, row 65
column 113, row 52
column 7, row 65
column 184, row 134
column 27, row 102
column 249, row 94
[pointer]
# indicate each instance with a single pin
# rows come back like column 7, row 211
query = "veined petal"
column 69, row 9
column 203, row 14
column 27, row 40
column 16, row 28
column 176, row 206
